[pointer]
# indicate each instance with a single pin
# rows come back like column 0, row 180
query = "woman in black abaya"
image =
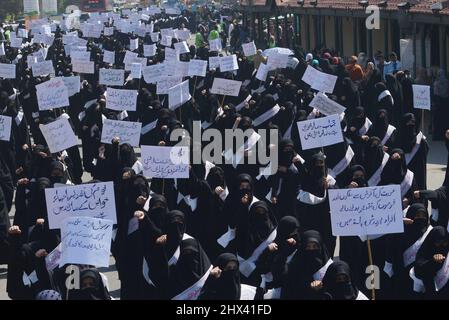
column 259, row 232
column 306, row 269
column 431, row 257
column 382, row 128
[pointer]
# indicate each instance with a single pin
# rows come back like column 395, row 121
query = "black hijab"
column 261, row 223
column 373, row 154
column 175, row 229
column 414, row 231
column 339, row 290
column 395, row 170
column 407, row 132
column 380, row 124
column 192, row 264
column 313, row 181
column 227, row 286
column 97, row 292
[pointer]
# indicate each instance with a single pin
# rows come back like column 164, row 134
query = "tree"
column 9, row 8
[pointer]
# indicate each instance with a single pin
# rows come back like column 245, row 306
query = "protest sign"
column 229, row 63
column 87, row 67
column 214, row 62
column 128, row 132
column 165, row 162
column 249, row 49
column 277, row 61
column 320, row 132
column 86, row 240
column 5, row 128
column 262, row 72
column 112, row 77
column 421, row 97
column 325, row 105
column 152, row 74
column 319, row 80
column 121, row 99
column 215, row 45
column 109, row 57
column 95, row 200
column 178, row 95
column 52, row 94
column 58, row 135
column 182, row 47
column 149, row 50
column 136, row 71
column 226, row 87
column 165, row 83
column 197, row 68
column 7, row 71
column 43, row 68
column 366, row 211
column 73, row 84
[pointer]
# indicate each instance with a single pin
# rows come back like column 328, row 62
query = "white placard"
column 320, row 132
column 83, row 56
column 121, row 99
column 2, row 49
column 52, row 94
column 226, row 87
column 87, row 67
column 152, row 74
column 43, row 68
column 171, row 54
column 154, row 36
column 129, row 57
column 149, row 50
column 249, row 49
column 215, row 45
column 178, row 95
column 214, row 62
column 133, row 44
column 325, row 105
column 7, row 71
column 319, row 80
column 421, row 97
column 182, row 47
column 112, row 77
column 165, row 83
column 127, row 131
column 366, row 211
column 136, row 70
column 86, row 241
column 197, row 68
column 95, row 200
column 5, row 128
column 73, row 84
column 109, row 57
column 229, row 63
column 276, row 61
column 58, row 135
column 165, row 162
column 166, row 41
column 16, row 42
column 262, row 72
column 108, row 31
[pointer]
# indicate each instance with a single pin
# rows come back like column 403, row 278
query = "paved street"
column 435, row 175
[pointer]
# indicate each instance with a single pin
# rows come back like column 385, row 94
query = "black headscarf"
column 158, row 214
column 380, row 124
column 97, row 292
column 419, row 226
column 407, row 133
column 339, row 290
column 192, row 264
column 260, row 224
column 216, row 177
column 373, row 154
column 286, row 152
column 395, row 170
column 313, row 181
column 361, row 181
column 227, row 286
column 175, row 229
